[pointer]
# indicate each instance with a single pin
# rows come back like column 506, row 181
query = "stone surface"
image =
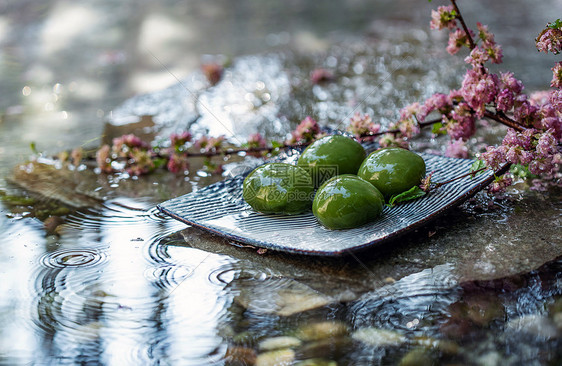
column 284, row 357
column 379, row 337
column 270, row 344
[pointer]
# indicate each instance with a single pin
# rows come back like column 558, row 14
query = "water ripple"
column 411, row 303
column 73, row 258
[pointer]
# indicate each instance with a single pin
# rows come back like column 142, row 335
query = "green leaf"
column 437, row 129
column 159, row 162
column 477, row 167
column 33, row 147
column 522, row 171
column 276, row 144
column 555, row 25
column 411, row 194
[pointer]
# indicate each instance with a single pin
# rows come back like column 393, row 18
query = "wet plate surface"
column 220, row 208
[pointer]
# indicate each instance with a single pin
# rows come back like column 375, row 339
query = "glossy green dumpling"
column 331, row 156
column 278, row 188
column 347, row 201
column 393, row 170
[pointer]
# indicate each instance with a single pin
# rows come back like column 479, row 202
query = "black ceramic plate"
column 219, row 208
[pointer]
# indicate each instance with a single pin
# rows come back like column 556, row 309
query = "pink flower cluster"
column 207, row 144
column 178, row 163
column 457, row 40
column 179, row 140
column 306, row 131
column 478, row 89
column 557, row 75
column 392, row 140
column 550, row 40
column 256, row 141
column 501, row 183
column 537, row 149
column 442, row 103
column 408, row 123
column 123, row 145
column 457, row 149
column 443, row 17
column 361, row 125
column 103, row 159
column 462, row 122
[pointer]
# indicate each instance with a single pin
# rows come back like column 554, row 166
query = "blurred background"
column 64, row 65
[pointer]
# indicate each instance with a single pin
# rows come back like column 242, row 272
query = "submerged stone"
column 316, row 362
column 417, row 357
column 270, row 344
column 283, row 297
column 284, row 357
column 378, row 337
column 322, row 330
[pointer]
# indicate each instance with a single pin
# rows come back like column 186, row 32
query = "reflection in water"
column 103, row 300
column 120, row 286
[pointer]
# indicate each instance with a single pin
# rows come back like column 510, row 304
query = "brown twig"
column 504, row 120
column 463, row 24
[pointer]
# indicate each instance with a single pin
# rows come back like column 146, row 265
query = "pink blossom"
column 306, row 131
column 477, row 57
column 455, row 94
column 208, row 144
column 500, row 183
column 457, row 149
column 76, row 156
column 550, row 40
column 494, row 157
column 457, row 39
column 319, row 75
column 390, row 140
column 508, row 81
column 425, row 184
column 213, row 72
column 408, row 124
column 557, row 75
column 494, row 51
column 478, row 89
column 522, row 139
column 539, row 98
column 556, row 99
column 125, row 143
column 554, row 124
column 256, row 141
column 178, row 163
column 443, row 17
column 505, row 100
column 201, row 142
column 524, row 112
column 361, row 125
column 541, row 166
column 103, row 159
column 179, row 139
column 140, row 162
column 483, row 33
column 438, row 101
column 516, row 155
column 546, row 144
column 462, row 122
